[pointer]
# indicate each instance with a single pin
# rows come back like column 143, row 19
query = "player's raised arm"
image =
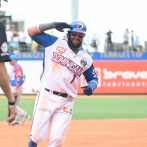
column 33, row 31
column 47, row 26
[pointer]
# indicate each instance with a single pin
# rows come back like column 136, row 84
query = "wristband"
column 46, row 26
column 11, row 103
column 93, row 85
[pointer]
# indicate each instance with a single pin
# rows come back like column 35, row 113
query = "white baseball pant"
column 51, row 109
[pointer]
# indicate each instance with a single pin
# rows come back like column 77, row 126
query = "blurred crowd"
column 129, row 43
column 17, row 42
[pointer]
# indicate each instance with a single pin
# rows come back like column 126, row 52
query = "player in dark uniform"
column 4, row 81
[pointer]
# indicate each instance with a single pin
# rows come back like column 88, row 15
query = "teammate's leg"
column 17, row 100
column 20, row 111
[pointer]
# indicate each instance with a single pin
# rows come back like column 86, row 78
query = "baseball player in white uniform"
column 64, row 62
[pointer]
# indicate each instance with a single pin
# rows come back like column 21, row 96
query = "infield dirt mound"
column 85, row 133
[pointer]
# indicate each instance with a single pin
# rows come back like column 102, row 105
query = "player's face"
column 75, row 39
column 12, row 63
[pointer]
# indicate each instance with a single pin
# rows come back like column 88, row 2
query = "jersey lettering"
column 76, row 69
column 60, row 50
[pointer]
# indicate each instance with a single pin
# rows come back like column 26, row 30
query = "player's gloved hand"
column 88, row 90
column 61, row 25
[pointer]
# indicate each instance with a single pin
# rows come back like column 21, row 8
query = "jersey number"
column 74, row 76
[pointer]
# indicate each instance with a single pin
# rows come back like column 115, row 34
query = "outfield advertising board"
column 126, row 77
column 115, row 76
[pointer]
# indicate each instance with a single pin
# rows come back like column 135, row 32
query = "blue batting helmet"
column 5, row 0
column 78, row 26
column 13, row 57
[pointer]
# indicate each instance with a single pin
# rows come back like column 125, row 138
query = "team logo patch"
column 67, row 110
column 80, row 26
column 83, row 63
column 60, row 50
column 4, row 47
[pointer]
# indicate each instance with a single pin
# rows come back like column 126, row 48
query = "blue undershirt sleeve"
column 91, row 77
column 44, row 39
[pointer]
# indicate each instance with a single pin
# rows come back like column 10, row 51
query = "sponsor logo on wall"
column 122, row 77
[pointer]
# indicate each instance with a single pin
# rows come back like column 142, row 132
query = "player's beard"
column 70, row 43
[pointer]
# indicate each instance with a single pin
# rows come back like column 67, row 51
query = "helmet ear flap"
column 68, row 34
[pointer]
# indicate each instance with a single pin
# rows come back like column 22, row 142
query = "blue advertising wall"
column 95, row 56
column 125, row 74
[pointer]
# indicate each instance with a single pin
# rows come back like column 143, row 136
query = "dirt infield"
column 85, row 133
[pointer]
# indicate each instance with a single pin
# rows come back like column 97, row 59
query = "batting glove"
column 88, row 90
column 61, row 25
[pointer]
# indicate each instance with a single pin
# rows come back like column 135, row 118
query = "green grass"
column 25, row 104
column 111, row 108
column 101, row 108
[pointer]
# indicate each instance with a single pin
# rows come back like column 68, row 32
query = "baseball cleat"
column 25, row 119
column 13, row 124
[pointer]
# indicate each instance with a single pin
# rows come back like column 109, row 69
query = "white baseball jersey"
column 62, row 67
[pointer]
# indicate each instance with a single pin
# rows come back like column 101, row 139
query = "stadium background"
column 117, row 114
column 118, row 72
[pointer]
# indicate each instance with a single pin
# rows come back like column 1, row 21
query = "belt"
column 57, row 93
